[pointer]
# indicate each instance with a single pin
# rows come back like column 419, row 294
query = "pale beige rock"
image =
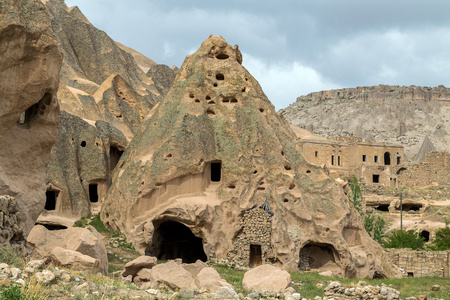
column 29, row 76
column 144, row 275
column 45, row 277
column 87, row 241
column 195, row 268
column 206, row 161
column 172, row 275
column 266, row 277
column 74, row 259
column 134, row 266
column 208, row 278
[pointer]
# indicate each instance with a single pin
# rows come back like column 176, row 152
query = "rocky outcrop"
column 212, row 150
column 85, row 241
column 266, row 277
column 105, row 96
column 29, row 76
column 388, row 114
column 11, row 233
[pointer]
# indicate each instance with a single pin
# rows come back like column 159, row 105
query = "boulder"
column 29, row 77
column 195, row 268
column 142, row 262
column 172, row 275
column 45, row 277
column 226, row 293
column 87, row 241
column 208, row 278
column 74, row 259
column 266, row 277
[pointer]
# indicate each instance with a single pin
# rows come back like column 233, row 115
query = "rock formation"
column 388, row 114
column 29, row 76
column 105, row 95
column 213, row 154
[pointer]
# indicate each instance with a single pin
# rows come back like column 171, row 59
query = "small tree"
column 441, row 239
column 355, row 196
column 405, row 239
column 374, row 226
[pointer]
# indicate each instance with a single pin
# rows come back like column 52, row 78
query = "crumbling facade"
column 371, row 163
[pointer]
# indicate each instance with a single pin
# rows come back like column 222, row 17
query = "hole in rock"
column 233, row 100
column 52, row 226
column 159, row 184
column 316, row 256
column 425, row 234
column 210, row 112
column 222, row 56
column 173, row 240
column 243, row 90
column 261, row 188
column 220, row 76
column 208, row 97
column 292, row 186
column 216, row 171
column 255, row 172
column 382, row 207
column 287, row 167
column 191, row 95
column 255, row 256
column 246, row 79
column 197, row 101
column 211, row 102
column 83, row 144
column 231, row 186
column 387, row 158
column 285, row 200
column 169, row 155
column 308, row 171
column 215, row 84
column 114, row 156
column 261, row 110
column 50, row 199
column 411, row 207
column 93, row 193
column 410, row 274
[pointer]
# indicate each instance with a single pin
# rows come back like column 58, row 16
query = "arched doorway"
column 387, row 158
column 173, row 240
column 318, row 256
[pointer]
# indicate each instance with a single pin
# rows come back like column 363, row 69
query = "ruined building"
column 216, row 169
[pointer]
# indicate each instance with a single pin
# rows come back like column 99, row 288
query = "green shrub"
column 405, row 239
column 97, row 223
column 441, row 239
column 375, row 227
column 355, row 196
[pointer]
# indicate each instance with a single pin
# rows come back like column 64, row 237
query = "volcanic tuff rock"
column 212, row 150
column 391, row 114
column 29, row 78
column 104, row 98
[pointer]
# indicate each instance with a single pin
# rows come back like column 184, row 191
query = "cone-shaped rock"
column 216, row 174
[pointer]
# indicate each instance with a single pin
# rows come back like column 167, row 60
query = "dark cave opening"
column 173, row 240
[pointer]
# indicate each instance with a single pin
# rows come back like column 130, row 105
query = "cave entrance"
column 382, row 207
column 173, row 240
column 216, row 171
column 317, row 256
column 411, row 206
column 52, row 226
column 255, row 256
column 114, row 156
column 51, row 196
column 387, row 158
column 93, row 193
column 426, row 235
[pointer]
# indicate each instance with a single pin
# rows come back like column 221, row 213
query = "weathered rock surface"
column 213, row 150
column 361, row 291
column 208, row 278
column 388, row 114
column 11, row 233
column 266, row 277
column 134, row 266
column 173, row 275
column 29, row 78
column 74, row 259
column 86, row 241
column 104, row 96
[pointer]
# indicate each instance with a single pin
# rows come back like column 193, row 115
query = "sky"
column 293, row 47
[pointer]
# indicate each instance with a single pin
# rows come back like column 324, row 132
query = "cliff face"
column 29, row 78
column 211, row 154
column 392, row 114
column 104, row 97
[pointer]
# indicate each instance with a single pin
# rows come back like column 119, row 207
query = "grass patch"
column 232, row 276
column 11, row 257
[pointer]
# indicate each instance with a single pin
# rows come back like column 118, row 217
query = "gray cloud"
column 293, row 47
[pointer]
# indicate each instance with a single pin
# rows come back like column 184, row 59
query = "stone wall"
column 10, row 231
column 435, row 168
column 421, row 263
column 255, row 233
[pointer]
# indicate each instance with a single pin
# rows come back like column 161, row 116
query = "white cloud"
column 284, row 82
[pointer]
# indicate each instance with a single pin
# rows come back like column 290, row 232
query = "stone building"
column 372, row 163
column 421, row 263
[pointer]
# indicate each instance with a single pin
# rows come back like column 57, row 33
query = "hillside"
column 390, row 114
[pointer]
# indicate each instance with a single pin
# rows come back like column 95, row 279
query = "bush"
column 355, row 196
column 441, row 239
column 375, row 227
column 405, row 239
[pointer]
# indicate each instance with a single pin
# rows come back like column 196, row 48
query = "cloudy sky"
column 293, row 47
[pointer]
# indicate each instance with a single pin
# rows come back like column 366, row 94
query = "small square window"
column 364, row 157
column 375, row 178
column 375, row 159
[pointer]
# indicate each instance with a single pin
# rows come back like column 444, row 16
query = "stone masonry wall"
column 421, row 263
column 11, row 234
column 256, row 227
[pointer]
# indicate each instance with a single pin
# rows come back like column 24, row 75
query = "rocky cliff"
column 392, row 114
column 29, row 76
column 213, row 157
column 104, row 97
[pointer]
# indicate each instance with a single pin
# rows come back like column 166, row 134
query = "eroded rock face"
column 29, row 76
column 213, row 151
